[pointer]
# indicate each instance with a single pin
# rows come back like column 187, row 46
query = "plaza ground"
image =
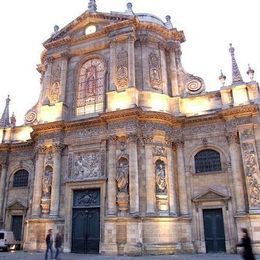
column 39, row 256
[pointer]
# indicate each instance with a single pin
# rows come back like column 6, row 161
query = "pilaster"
column 131, row 61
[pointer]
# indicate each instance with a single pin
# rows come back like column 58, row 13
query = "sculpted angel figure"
column 122, row 176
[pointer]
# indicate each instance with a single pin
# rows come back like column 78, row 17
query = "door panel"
column 86, row 222
column 17, row 225
column 214, row 230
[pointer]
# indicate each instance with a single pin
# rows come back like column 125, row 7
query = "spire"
column 236, row 76
column 5, row 116
column 92, row 7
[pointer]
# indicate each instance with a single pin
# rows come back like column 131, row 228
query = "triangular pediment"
column 210, row 195
column 101, row 20
column 16, row 206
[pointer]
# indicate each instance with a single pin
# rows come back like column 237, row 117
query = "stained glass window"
column 91, row 85
column 207, row 161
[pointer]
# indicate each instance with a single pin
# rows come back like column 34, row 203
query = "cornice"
column 240, row 111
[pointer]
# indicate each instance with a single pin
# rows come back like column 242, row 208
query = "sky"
column 209, row 27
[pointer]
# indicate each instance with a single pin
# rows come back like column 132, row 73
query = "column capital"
column 41, row 149
column 112, row 139
column 179, row 143
column 168, row 141
column 57, row 147
column 50, row 59
column 132, row 137
column 65, row 55
column 232, row 137
column 148, row 139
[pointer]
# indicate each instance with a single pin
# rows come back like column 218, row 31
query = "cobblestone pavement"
column 40, row 256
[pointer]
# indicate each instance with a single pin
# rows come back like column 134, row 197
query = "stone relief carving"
column 87, row 165
column 86, row 198
column 55, row 73
column 247, row 134
column 194, row 85
column 121, row 79
column 159, row 150
column 252, row 170
column 54, row 93
column 155, row 70
column 160, row 177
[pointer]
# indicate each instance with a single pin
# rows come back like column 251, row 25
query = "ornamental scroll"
column 251, row 167
column 155, row 71
column 121, row 77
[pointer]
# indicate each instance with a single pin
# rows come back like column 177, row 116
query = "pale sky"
column 209, row 27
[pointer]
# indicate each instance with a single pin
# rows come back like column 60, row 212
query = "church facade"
column 127, row 153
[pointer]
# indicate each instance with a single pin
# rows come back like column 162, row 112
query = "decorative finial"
column 250, row 72
column 236, row 75
column 13, row 120
column 129, row 9
column 168, row 23
column 222, row 78
column 56, row 28
column 92, row 7
column 4, row 122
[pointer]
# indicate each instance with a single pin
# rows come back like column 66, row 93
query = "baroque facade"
column 125, row 152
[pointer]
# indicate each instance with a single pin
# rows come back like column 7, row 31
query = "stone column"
column 237, row 172
column 149, row 176
column 55, row 187
column 131, row 61
column 145, row 63
column 112, row 64
column 133, row 175
column 170, row 173
column 37, row 187
column 111, row 185
column 173, row 70
column 2, row 188
column 183, row 198
column 63, row 76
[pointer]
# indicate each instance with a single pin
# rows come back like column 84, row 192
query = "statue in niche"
column 160, row 177
column 46, row 182
column 122, row 176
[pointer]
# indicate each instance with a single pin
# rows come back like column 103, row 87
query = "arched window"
column 91, row 85
column 207, row 161
column 21, row 178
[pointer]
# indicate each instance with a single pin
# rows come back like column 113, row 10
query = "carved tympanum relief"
column 91, row 82
column 86, row 166
column 121, row 77
column 155, row 72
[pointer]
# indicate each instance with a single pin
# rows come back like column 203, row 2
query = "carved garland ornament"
column 122, row 70
column 251, row 169
column 155, row 71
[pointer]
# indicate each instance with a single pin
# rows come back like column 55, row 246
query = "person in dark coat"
column 246, row 244
column 49, row 242
column 58, row 243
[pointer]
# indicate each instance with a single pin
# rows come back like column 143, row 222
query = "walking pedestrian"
column 58, row 243
column 49, row 242
column 247, row 253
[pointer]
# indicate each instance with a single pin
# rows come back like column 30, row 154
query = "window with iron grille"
column 207, row 161
column 20, row 179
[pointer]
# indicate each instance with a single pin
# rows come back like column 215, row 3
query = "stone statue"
column 122, row 176
column 46, row 183
column 160, row 177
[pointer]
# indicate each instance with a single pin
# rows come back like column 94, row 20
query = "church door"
column 17, row 225
column 86, row 221
column 214, row 230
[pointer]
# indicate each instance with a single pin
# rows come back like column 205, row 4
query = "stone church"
column 126, row 153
